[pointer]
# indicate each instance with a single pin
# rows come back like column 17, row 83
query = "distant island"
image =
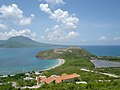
column 21, row 42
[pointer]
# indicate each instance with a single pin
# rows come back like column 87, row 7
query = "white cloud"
column 116, row 38
column 25, row 32
column 65, row 22
column 53, row 3
column 69, row 21
column 14, row 14
column 3, row 26
column 47, row 30
column 59, row 35
column 103, row 38
column 26, row 21
column 56, row 33
column 45, row 8
column 73, row 34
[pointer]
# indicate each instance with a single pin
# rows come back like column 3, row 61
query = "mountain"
column 2, row 41
column 21, row 42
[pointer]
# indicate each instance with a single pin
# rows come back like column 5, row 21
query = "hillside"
column 2, row 41
column 71, row 52
column 21, row 42
column 75, row 58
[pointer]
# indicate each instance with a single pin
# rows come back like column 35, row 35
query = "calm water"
column 15, row 60
column 103, row 50
column 101, row 63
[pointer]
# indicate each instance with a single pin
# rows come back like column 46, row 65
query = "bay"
column 17, row 60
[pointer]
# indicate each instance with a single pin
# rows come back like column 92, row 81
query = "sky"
column 66, row 22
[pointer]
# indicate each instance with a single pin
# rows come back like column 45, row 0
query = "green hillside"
column 75, row 58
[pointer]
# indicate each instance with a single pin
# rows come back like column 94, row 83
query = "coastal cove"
column 17, row 60
column 73, row 61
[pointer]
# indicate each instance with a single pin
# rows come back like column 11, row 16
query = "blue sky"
column 81, row 22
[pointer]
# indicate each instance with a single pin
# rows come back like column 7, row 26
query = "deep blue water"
column 15, row 60
column 103, row 50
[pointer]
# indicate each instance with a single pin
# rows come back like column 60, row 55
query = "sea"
column 18, row 60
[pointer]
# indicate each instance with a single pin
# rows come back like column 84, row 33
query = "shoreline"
column 61, row 62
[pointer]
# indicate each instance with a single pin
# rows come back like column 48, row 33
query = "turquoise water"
column 16, row 60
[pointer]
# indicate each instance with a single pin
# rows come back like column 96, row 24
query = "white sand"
column 61, row 62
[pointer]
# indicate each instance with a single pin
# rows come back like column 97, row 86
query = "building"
column 66, row 78
column 57, row 79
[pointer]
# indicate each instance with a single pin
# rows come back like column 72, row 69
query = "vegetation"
column 109, row 58
column 21, row 42
column 75, row 59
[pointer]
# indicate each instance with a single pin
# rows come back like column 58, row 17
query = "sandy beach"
column 61, row 62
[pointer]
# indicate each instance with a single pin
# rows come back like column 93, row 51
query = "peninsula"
column 74, row 72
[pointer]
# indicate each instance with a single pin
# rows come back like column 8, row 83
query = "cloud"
column 14, row 14
column 69, row 21
column 116, row 38
column 59, row 35
column 25, row 32
column 3, row 26
column 26, row 21
column 45, row 8
column 56, row 33
column 103, row 38
column 54, row 3
column 65, row 22
column 73, row 34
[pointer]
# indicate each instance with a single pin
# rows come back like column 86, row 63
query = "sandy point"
column 61, row 62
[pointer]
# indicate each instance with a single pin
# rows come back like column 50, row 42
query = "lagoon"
column 104, row 64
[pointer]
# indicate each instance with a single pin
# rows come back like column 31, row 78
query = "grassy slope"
column 78, row 58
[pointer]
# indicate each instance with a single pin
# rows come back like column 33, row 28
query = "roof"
column 28, row 78
column 57, row 79
column 49, row 80
column 66, row 77
column 40, row 78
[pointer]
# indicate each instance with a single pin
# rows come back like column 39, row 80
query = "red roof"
column 48, row 80
column 58, row 79
column 66, row 77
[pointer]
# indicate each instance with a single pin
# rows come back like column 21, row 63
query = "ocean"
column 104, row 50
column 17, row 60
